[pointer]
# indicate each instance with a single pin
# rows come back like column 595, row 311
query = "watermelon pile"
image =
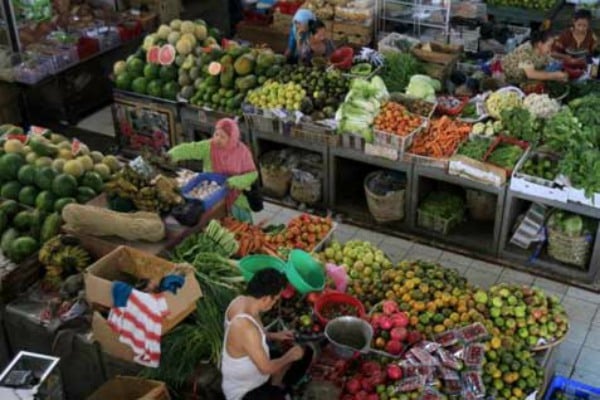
column 155, row 68
column 37, row 179
column 184, row 60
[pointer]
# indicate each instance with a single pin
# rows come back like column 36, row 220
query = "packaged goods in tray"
column 354, row 15
column 417, row 106
column 450, row 105
column 474, row 332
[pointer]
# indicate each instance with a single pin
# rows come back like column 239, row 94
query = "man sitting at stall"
column 529, row 61
column 248, row 371
column 577, row 42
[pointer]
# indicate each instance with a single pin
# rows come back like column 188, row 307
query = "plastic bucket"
column 250, row 265
column 349, row 335
column 304, row 272
column 337, row 298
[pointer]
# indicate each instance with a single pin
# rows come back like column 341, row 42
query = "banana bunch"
column 63, row 256
column 146, row 199
column 53, row 278
column 222, row 237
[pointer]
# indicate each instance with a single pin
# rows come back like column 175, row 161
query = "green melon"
column 45, row 201
column 10, row 164
column 10, row 190
column 61, row 203
column 44, row 177
column 64, row 186
column 27, row 195
column 26, row 175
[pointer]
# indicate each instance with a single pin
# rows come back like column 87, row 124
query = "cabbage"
column 573, row 225
column 382, row 92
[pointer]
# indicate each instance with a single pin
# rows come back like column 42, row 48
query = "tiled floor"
column 579, row 354
column 101, row 122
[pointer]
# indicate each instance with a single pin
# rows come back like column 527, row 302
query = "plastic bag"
column 339, row 276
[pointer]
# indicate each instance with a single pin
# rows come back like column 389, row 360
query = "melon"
column 65, row 154
column 73, row 168
column 163, row 32
column 175, row 24
column 149, row 41
column 184, row 47
column 166, row 56
column 188, row 27
column 173, row 38
column 58, row 164
column 200, row 32
column 119, row 67
column 152, row 55
column 214, row 68
column 13, row 146
column 86, row 162
column 191, row 38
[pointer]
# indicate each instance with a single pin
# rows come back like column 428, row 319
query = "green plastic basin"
column 250, row 265
column 304, row 272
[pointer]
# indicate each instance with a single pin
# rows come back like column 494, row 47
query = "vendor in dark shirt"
column 578, row 41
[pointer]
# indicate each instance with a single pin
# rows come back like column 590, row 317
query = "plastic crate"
column 352, row 141
column 214, row 198
column 436, row 223
column 572, row 389
column 315, row 133
column 400, row 143
column 500, row 140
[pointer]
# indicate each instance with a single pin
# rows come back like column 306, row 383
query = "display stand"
column 198, row 123
column 347, row 172
column 263, row 142
column 473, row 236
column 544, row 264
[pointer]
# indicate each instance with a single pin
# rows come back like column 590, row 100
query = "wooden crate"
column 352, row 34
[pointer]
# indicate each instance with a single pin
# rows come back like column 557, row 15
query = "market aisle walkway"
column 579, row 354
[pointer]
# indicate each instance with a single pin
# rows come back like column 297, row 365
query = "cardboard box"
column 131, row 388
column 99, row 278
column 479, row 171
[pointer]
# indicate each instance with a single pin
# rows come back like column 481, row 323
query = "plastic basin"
column 304, row 272
column 342, row 58
column 250, row 265
column 338, row 298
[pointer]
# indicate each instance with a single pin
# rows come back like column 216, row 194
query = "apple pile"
column 303, row 232
column 391, row 333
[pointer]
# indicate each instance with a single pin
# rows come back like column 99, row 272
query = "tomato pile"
column 303, row 232
column 396, row 119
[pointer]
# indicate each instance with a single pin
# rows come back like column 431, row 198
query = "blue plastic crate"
column 572, row 389
column 211, row 200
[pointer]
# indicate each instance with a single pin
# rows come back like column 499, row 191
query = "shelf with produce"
column 265, row 142
column 415, row 21
column 421, row 6
column 347, row 172
column 544, row 264
column 481, row 236
column 523, row 16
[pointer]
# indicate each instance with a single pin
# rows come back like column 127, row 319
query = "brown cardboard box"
column 100, row 276
column 131, row 388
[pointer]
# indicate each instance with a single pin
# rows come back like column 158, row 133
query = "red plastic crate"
column 87, row 47
column 129, row 30
column 287, row 7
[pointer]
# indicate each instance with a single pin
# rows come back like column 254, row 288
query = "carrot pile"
column 396, row 119
column 441, row 139
column 251, row 238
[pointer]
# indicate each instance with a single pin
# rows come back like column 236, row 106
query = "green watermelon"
column 10, row 164
column 45, row 201
column 93, row 180
column 61, row 203
column 151, row 71
column 44, row 178
column 170, row 90
column 10, row 207
column 135, row 67
column 7, row 238
column 168, row 73
column 64, row 186
column 139, row 85
column 26, row 175
column 22, row 247
column 27, row 195
column 123, row 81
column 155, row 88
column 85, row 194
column 22, row 221
column 10, row 190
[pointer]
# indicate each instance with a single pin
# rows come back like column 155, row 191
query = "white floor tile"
column 453, row 258
column 584, row 295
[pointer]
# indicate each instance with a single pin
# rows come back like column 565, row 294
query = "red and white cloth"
column 139, row 325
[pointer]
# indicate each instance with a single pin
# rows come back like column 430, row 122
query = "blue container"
column 573, row 389
column 214, row 198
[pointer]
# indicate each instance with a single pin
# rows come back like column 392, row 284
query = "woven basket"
column 567, row 249
column 276, row 182
column 481, row 205
column 387, row 208
column 307, row 192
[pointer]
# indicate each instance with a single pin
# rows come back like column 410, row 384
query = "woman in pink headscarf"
column 225, row 154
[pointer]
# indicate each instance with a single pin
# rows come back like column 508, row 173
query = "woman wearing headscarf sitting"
column 318, row 44
column 299, row 33
column 225, row 154
column 577, row 42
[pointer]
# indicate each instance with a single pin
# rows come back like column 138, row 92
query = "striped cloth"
column 139, row 325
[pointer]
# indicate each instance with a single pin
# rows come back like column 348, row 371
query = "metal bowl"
column 349, row 335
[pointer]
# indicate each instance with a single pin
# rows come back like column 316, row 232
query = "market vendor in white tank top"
column 246, row 365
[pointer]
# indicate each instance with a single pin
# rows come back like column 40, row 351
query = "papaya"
column 227, row 76
column 246, row 83
column 244, row 65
